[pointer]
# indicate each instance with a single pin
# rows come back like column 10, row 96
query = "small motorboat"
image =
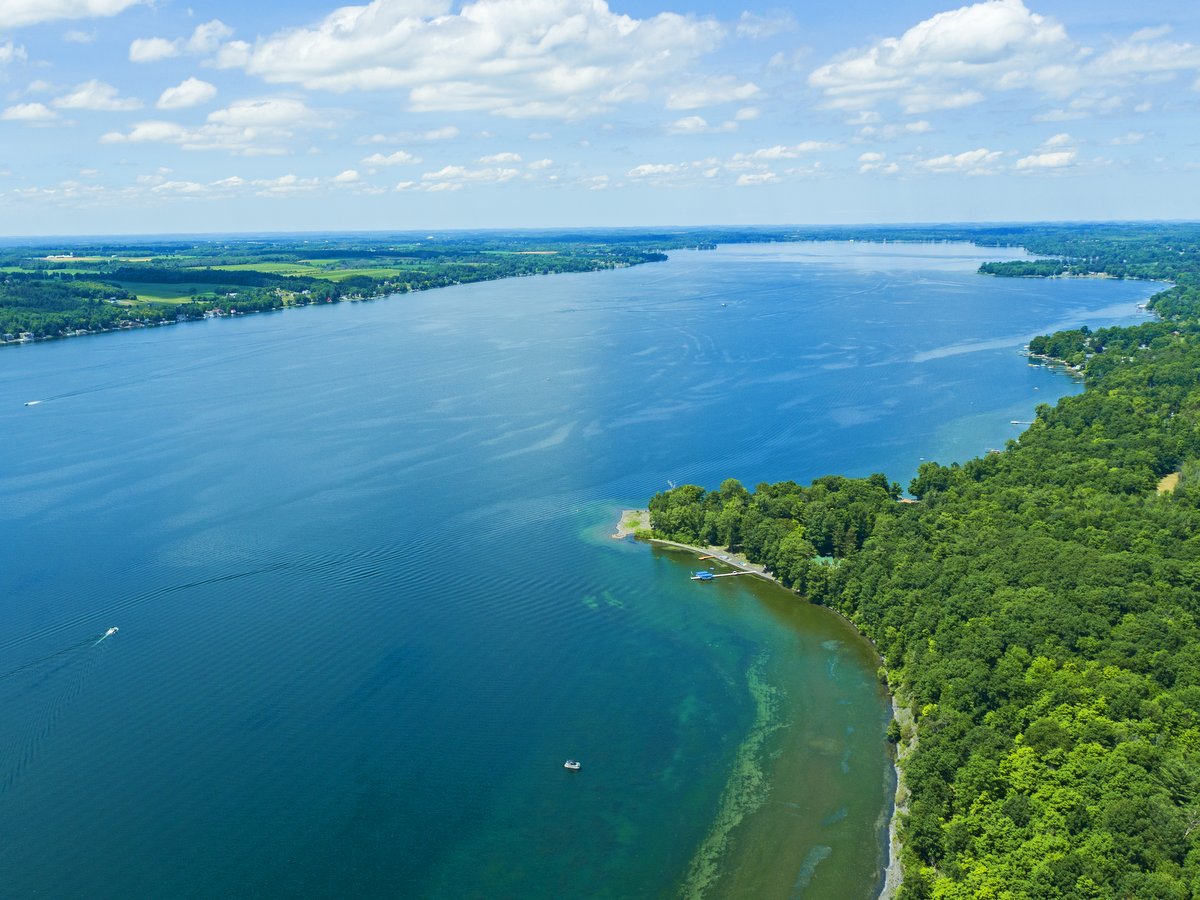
column 572, row 764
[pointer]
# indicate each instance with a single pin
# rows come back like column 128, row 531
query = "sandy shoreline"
column 634, row 521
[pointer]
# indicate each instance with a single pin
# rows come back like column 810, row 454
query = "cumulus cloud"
column 97, row 96
column 970, row 162
column 780, row 151
column 986, row 41
column 10, row 53
column 32, row 113
column 445, row 133
column 144, row 50
column 754, row 26
column 350, row 176
column 956, row 58
column 19, row 13
column 399, row 158
column 647, row 169
column 699, row 125
column 506, row 157
column 205, row 39
column 751, row 179
column 453, row 178
column 548, row 58
column 1056, row 159
column 189, row 92
column 711, row 93
column 248, row 127
column 875, row 162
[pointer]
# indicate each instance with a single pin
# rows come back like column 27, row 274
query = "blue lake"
column 359, row 557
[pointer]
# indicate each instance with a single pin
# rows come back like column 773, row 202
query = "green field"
column 150, row 292
column 376, row 272
column 275, row 268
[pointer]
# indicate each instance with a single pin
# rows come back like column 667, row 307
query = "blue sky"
column 135, row 116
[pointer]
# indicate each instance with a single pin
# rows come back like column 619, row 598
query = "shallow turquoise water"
column 367, row 603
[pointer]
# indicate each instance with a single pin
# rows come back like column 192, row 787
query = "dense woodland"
column 1037, row 609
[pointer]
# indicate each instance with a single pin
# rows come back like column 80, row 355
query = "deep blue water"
column 367, row 603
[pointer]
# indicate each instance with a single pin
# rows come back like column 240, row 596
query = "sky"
column 157, row 116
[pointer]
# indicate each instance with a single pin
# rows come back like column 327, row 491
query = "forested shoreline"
column 1036, row 608
column 103, row 286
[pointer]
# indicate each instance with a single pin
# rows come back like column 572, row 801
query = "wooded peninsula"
column 1036, row 608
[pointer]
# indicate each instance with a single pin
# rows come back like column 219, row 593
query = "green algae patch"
column 747, row 788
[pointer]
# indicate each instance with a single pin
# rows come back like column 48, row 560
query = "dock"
column 709, row 576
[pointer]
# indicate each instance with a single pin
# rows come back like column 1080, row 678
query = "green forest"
column 1037, row 608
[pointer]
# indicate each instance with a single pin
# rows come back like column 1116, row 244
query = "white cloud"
column 698, row 125
column 283, row 185
column 921, row 101
column 269, row 112
column 956, row 58
column 179, row 187
column 1056, row 159
column 873, row 162
column 350, row 176
column 713, row 93
column 145, row 50
column 399, row 158
column 78, row 36
column 19, row 13
column 10, row 53
column 32, row 113
column 647, row 169
column 454, row 177
column 446, row 133
column 518, row 58
column 983, row 42
column 751, row 179
column 970, row 162
column 500, row 158
column 97, row 96
column 790, row 152
column 747, row 114
column 756, row 27
column 1129, row 137
column 205, row 39
column 1058, row 140
column 189, row 92
column 540, row 164
column 247, row 127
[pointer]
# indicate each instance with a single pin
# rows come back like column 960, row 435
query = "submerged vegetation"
column 1037, row 609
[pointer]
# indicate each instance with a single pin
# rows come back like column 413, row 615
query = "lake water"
column 359, row 559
